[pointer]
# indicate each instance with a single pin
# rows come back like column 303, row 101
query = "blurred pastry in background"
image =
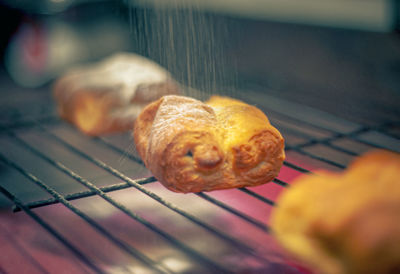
column 345, row 222
column 107, row 96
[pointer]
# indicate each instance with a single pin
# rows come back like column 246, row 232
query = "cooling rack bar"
column 280, row 182
column 312, row 141
column 245, row 217
column 292, row 119
column 352, row 135
column 343, row 150
column 296, row 167
column 321, row 159
column 385, row 126
column 236, row 243
column 5, row 127
column 320, row 124
column 257, row 196
column 42, row 223
column 382, row 128
column 122, row 245
column 130, row 250
column 295, row 132
column 365, row 142
column 327, row 140
column 87, row 193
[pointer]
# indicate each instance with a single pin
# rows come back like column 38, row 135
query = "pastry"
column 191, row 146
column 107, row 96
column 345, row 222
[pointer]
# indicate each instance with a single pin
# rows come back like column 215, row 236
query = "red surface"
column 27, row 248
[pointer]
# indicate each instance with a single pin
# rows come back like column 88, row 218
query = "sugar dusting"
column 174, row 115
column 187, row 42
column 121, row 73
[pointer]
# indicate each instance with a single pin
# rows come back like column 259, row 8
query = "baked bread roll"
column 191, row 146
column 108, row 96
column 345, row 222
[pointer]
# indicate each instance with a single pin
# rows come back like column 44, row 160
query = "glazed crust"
column 107, row 96
column 345, row 222
column 191, row 146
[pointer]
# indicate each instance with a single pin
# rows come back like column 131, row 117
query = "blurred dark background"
column 350, row 70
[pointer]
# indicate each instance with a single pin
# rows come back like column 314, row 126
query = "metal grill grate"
column 47, row 162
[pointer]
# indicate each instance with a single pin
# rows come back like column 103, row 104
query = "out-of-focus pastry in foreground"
column 345, row 222
column 107, row 96
column 191, row 146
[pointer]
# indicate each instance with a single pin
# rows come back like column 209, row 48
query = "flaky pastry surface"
column 191, row 146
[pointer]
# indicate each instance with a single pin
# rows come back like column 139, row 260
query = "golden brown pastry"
column 107, row 96
column 345, row 222
column 191, row 146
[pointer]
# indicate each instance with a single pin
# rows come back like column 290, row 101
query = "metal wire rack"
column 107, row 214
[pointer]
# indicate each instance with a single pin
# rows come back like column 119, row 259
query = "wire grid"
column 302, row 137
